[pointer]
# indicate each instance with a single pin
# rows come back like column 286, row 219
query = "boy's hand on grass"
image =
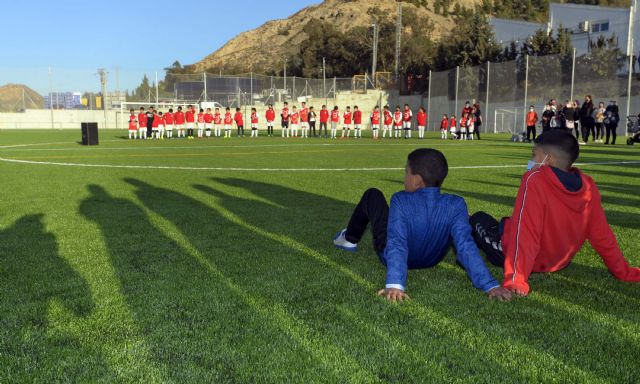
column 393, row 294
column 500, row 293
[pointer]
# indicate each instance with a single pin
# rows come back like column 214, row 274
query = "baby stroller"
column 633, row 127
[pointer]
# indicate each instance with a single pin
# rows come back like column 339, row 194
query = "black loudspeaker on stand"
column 89, row 133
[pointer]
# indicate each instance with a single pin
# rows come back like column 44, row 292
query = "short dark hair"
column 430, row 164
column 563, row 142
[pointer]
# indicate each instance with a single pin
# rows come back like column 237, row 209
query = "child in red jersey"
column 422, row 122
column 444, row 127
column 133, row 124
column 388, row 122
column 407, row 116
column 142, row 124
column 208, row 122
column 169, row 121
column 190, row 117
column 347, row 118
column 375, row 122
column 463, row 126
column 155, row 126
column 238, row 118
column 335, row 120
column 254, row 122
column 217, row 122
column 180, row 119
column 357, row 122
column 270, row 116
column 200, row 122
column 324, row 120
column 304, row 120
column 453, row 127
column 397, row 122
column 557, row 208
column 294, row 119
column 161, row 124
column 284, row 114
column 228, row 122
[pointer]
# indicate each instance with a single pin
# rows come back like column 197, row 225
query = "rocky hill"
column 14, row 97
column 260, row 50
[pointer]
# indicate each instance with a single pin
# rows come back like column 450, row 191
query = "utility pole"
column 398, row 39
column 103, row 83
column 51, row 95
column 374, row 66
column 324, row 81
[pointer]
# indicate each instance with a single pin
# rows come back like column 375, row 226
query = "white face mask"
column 532, row 164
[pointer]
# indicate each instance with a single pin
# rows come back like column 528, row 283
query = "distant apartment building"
column 63, row 100
column 586, row 23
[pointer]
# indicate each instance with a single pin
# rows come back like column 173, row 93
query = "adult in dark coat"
column 587, row 122
column 150, row 116
column 611, row 120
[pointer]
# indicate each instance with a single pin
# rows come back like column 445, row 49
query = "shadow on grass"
column 35, row 283
column 445, row 304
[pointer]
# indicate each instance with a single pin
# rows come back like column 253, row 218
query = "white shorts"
column 471, row 129
column 334, row 125
column 200, row 125
column 294, row 126
column 347, row 126
column 406, row 124
column 304, row 125
column 180, row 127
column 357, row 126
column 189, row 125
column 217, row 126
column 169, row 127
column 397, row 127
column 154, row 129
column 375, row 126
column 161, row 127
column 420, row 126
column 207, row 126
column 227, row 127
column 254, row 126
column 463, row 130
column 453, row 130
column 387, row 126
column 142, row 129
column 269, row 123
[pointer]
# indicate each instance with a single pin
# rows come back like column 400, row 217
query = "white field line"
column 237, row 169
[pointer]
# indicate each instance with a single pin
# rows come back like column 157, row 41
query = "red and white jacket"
column 549, row 225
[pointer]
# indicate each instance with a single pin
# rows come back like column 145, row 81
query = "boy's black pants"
column 531, row 130
column 487, row 233
column 312, row 127
column 372, row 208
column 323, row 125
column 240, row 130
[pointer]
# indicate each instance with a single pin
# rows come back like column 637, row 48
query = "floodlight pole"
column 629, row 83
column 51, row 95
column 573, row 72
column 204, row 81
column 429, row 101
column 324, row 81
column 374, row 66
column 486, row 103
column 157, row 98
column 526, row 90
column 455, row 110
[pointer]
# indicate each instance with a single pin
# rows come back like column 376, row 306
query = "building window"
column 595, row 28
column 604, row 27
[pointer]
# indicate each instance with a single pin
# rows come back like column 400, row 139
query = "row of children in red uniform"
column 305, row 118
column 460, row 130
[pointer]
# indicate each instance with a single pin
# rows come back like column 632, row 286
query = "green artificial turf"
column 195, row 273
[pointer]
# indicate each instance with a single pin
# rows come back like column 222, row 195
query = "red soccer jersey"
column 348, row 116
column 357, row 117
column 168, row 118
column 270, row 115
column 254, row 117
column 190, row 116
column 200, row 118
column 444, row 124
column 285, row 113
column 294, row 117
column 335, row 116
column 397, row 119
column 375, row 118
column 133, row 123
column 179, row 116
column 228, row 118
column 217, row 118
column 238, row 118
column 142, row 119
column 453, row 123
column 388, row 118
column 304, row 115
column 406, row 115
column 422, row 119
column 156, row 121
column 324, row 115
column 463, row 122
column 208, row 118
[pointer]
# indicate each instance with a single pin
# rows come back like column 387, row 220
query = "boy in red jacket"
column 238, row 118
column 557, row 208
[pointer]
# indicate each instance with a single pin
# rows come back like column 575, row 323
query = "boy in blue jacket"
column 419, row 228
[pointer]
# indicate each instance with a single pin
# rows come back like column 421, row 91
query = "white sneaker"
column 582, row 143
column 341, row 242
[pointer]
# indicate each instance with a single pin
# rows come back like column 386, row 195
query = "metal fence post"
column 429, row 101
column 629, row 85
column 204, row 79
column 455, row 110
column 486, row 102
column 573, row 72
column 526, row 90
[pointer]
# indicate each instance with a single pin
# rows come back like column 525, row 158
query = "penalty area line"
column 238, row 169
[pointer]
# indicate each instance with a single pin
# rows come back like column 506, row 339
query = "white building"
column 585, row 23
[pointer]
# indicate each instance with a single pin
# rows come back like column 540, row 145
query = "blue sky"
column 77, row 37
